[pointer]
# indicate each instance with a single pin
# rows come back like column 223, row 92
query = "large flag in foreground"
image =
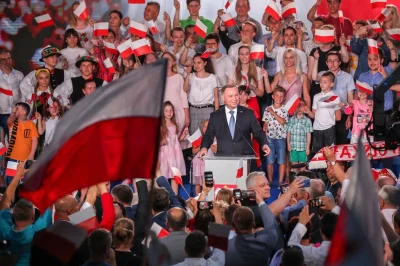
column 358, row 236
column 111, row 134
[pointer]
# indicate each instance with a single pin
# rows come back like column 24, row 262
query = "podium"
column 224, row 169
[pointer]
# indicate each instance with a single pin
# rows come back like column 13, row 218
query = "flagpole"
column 137, row 60
column 185, row 191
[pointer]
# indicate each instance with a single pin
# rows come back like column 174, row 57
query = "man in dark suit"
column 233, row 126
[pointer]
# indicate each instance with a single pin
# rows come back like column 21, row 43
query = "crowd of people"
column 333, row 109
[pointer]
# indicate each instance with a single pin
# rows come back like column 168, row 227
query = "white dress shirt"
column 201, row 90
column 313, row 256
column 11, row 82
column 277, row 54
column 228, row 115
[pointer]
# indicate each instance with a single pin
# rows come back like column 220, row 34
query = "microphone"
column 256, row 153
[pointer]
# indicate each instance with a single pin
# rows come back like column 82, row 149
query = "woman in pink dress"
column 170, row 154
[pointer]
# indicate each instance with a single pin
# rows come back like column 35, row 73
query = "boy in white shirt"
column 325, row 112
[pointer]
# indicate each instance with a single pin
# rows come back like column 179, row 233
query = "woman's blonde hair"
column 396, row 16
column 72, row 17
column 292, row 52
column 251, row 75
column 123, row 232
column 225, row 195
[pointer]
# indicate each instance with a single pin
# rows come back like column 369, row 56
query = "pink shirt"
column 362, row 115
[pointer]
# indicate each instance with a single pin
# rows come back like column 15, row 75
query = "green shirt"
column 186, row 22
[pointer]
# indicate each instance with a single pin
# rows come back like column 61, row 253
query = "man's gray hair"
column 390, row 195
column 316, row 189
column 250, row 178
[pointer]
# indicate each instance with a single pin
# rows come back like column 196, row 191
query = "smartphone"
column 248, row 194
column 204, row 205
column 237, row 194
column 284, row 188
column 306, row 182
column 28, row 164
column 209, row 179
column 316, row 202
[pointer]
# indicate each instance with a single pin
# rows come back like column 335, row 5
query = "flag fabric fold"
column 239, row 172
column 141, row 47
column 228, row 20
column 109, row 66
column 177, row 175
column 98, row 139
column 273, row 10
column 138, row 29
column 372, row 46
column 257, row 51
column 100, row 29
column 81, row 11
column 325, row 36
column 292, row 104
column 125, row 48
column 85, row 219
column 362, row 86
column 289, row 9
column 200, row 28
column 44, row 21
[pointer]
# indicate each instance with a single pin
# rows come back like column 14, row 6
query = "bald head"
column 66, row 206
column 176, row 219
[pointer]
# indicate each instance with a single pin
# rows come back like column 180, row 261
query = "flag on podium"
column 239, row 172
column 87, row 149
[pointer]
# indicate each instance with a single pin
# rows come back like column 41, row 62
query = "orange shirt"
column 20, row 143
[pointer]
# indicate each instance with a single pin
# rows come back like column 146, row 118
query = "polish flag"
column 86, row 149
column 325, row 36
column 364, row 87
column 11, row 168
column 239, row 172
column 341, row 17
column 387, row 172
column 85, row 219
column 207, row 53
column 257, row 51
column 3, row 149
column 44, row 21
column 110, row 47
column 348, row 45
column 141, row 47
column 273, row 11
column 177, row 175
column 394, row 33
column 138, row 29
column 50, row 101
column 372, row 46
column 376, row 27
column 196, row 138
column 218, row 236
column 292, row 104
column 375, row 173
column 228, row 20
column 6, row 92
column 378, row 3
column 328, row 99
column 81, row 11
column 152, row 26
column 289, row 9
column 125, row 48
column 100, row 29
column 228, row 3
column 109, row 66
column 159, row 231
column 383, row 15
column 201, row 29
column 133, row 2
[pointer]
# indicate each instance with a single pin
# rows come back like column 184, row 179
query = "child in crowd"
column 71, row 51
column 198, row 163
column 40, row 93
column 170, row 154
column 275, row 118
column 49, row 122
column 299, row 129
column 89, row 87
column 325, row 112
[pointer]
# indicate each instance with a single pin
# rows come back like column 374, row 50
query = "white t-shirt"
column 201, row 90
column 231, row 73
column 325, row 114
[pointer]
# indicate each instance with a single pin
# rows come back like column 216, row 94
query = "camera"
column 316, row 202
column 244, row 194
column 204, row 205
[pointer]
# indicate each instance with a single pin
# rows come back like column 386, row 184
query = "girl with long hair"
column 71, row 51
column 392, row 21
column 83, row 27
column 101, row 54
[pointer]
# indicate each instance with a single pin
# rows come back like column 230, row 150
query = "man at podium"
column 233, row 125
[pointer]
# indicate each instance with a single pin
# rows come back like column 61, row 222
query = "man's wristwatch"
column 333, row 163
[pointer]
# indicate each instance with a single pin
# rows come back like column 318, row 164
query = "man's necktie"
column 232, row 124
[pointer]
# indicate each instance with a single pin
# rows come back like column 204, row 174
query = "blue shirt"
column 269, row 63
column 375, row 79
column 344, row 83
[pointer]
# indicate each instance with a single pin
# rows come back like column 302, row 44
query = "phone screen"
column 209, row 179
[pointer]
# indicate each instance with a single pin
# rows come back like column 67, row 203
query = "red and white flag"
column 325, row 35
column 387, row 172
column 11, row 168
column 228, row 3
column 159, row 231
column 135, row 2
column 328, row 99
column 383, row 15
column 85, row 219
column 289, row 9
column 87, row 149
column 375, row 173
column 152, row 26
column 357, row 238
column 3, row 149
column 378, row 3
column 364, row 87
column 341, row 17
column 110, row 47
column 218, row 236
column 109, row 66
column 125, row 48
column 292, row 104
column 394, row 33
column 376, row 27
column 201, row 29
column 273, row 10
column 228, row 20
column 177, row 175
column 6, row 92
column 239, row 172
column 44, row 21
column 50, row 101
column 141, row 47
column 196, row 138
column 100, row 29
column 372, row 46
column 138, row 29
column 348, row 45
column 81, row 11
column 207, row 53
column 257, row 51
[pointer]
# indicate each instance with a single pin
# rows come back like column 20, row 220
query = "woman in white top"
column 83, row 27
column 48, row 122
column 71, row 51
column 202, row 88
